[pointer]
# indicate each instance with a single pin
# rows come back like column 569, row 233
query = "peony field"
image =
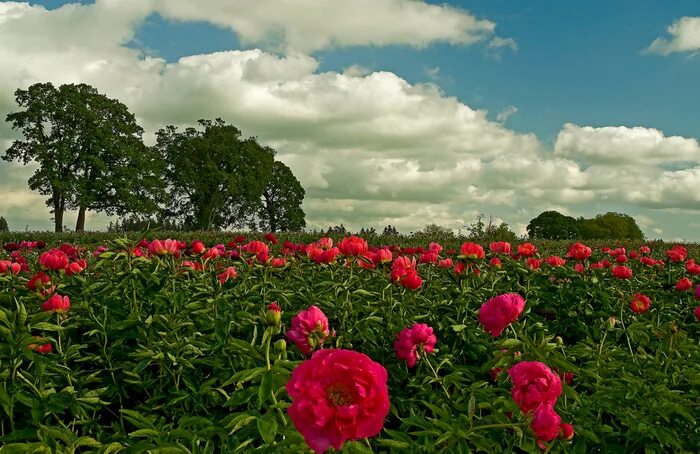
column 299, row 344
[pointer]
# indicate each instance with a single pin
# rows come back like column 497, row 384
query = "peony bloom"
column 309, row 330
column 640, row 303
column 77, row 267
column 433, row 246
column 566, row 432
column 527, row 250
column 495, row 262
column 197, row 247
column 697, row 313
column 259, row 249
column 165, row 247
column 278, row 262
column 472, row 251
column 41, row 348
column 545, row 423
column 338, row 395
column 39, row 281
column 271, row 237
column 622, row 272
column 410, row 342
column 579, row 268
column 677, row 254
column 533, row 384
column 9, row 267
column 500, row 247
column 445, row 263
column 500, row 311
column 533, row 263
column 411, row 280
column 325, row 242
column 229, row 273
column 382, row 255
column 697, row 292
column 684, row 284
column 579, row 251
column 401, row 266
column 211, row 253
column 622, row 258
column 353, row 246
column 428, row 257
column 54, row 259
column 555, row 260
column 56, row 303
column 644, row 250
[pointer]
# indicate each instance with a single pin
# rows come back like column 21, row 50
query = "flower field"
column 325, row 345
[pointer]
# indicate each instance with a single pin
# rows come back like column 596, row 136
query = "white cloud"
column 497, row 42
column 504, row 114
column 620, row 145
column 685, row 37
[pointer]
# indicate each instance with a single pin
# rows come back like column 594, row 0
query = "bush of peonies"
column 335, row 344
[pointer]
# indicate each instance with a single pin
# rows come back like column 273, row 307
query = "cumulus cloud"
column 370, row 148
column 685, row 37
column 504, row 114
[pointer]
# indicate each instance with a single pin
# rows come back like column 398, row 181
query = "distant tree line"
column 553, row 225
column 92, row 158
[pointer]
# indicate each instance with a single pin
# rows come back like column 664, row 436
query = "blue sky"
column 573, row 90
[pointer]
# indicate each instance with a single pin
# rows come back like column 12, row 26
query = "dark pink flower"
column 500, row 247
column 410, row 342
column 622, row 272
column 684, row 284
column 56, row 303
column 309, row 330
column 545, row 422
column 338, row 395
column 54, row 259
column 533, row 384
column 499, row 312
column 353, row 246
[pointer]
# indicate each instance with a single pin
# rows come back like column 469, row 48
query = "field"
column 130, row 345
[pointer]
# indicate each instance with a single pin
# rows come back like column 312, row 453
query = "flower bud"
column 280, row 346
column 273, row 315
column 566, row 432
column 612, row 321
column 558, row 340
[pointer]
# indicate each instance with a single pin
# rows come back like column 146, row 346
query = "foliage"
column 480, row 232
column 156, row 356
column 3, row 225
column 390, row 230
column 553, row 225
column 214, row 176
column 89, row 152
column 280, row 209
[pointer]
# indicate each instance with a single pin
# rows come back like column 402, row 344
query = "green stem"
column 430, row 365
column 496, row 426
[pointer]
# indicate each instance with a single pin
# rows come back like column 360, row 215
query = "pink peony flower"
column 54, row 259
column 684, row 284
column 410, row 342
column 353, row 246
column 579, row 251
column 229, row 273
column 500, row 247
column 500, row 311
column 622, row 272
column 309, row 330
column 56, row 303
column 338, row 395
column 545, row 423
column 472, row 251
column 533, row 384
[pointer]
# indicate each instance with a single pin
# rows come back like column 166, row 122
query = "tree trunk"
column 58, row 213
column 80, row 223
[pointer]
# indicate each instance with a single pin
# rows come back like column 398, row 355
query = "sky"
column 400, row 112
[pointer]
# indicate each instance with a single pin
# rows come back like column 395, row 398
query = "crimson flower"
column 640, row 303
column 338, row 395
column 533, row 384
column 410, row 342
column 309, row 330
column 56, row 303
column 500, row 311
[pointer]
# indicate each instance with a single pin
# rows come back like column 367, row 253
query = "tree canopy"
column 553, row 225
column 280, row 205
column 3, row 225
column 89, row 149
column 609, row 226
column 212, row 174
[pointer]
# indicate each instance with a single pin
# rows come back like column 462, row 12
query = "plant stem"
column 430, row 365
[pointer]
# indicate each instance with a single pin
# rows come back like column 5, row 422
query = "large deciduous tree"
column 89, row 151
column 212, row 173
column 553, row 225
column 280, row 207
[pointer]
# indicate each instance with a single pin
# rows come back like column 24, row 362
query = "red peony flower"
column 640, row 303
column 9, row 267
column 622, row 272
column 579, row 251
column 434, row 246
column 273, row 314
column 197, row 247
column 41, row 348
column 410, row 342
column 278, row 262
column 527, row 250
column 566, row 432
column 271, row 237
column 555, row 260
column 677, row 253
column 74, row 268
column 229, row 273
column 309, row 330
column 545, row 423
column 165, row 247
column 472, row 251
column 382, row 255
column 500, row 247
column 428, row 257
column 500, row 311
column 697, row 292
column 579, row 268
column 338, row 395
column 684, row 284
column 39, row 281
column 697, row 313
column 411, row 280
column 644, row 250
column 533, row 263
column 353, row 246
column 495, row 262
column 56, row 303
column 533, row 384
column 54, row 259
column 445, row 263
column 401, row 266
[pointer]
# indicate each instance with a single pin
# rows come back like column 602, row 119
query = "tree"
column 553, row 225
column 280, row 206
column 214, row 175
column 3, row 225
column 89, row 151
column 618, row 226
column 390, row 230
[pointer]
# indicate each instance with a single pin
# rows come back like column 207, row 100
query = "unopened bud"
column 558, row 340
column 566, row 432
column 273, row 315
column 280, row 345
column 612, row 321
